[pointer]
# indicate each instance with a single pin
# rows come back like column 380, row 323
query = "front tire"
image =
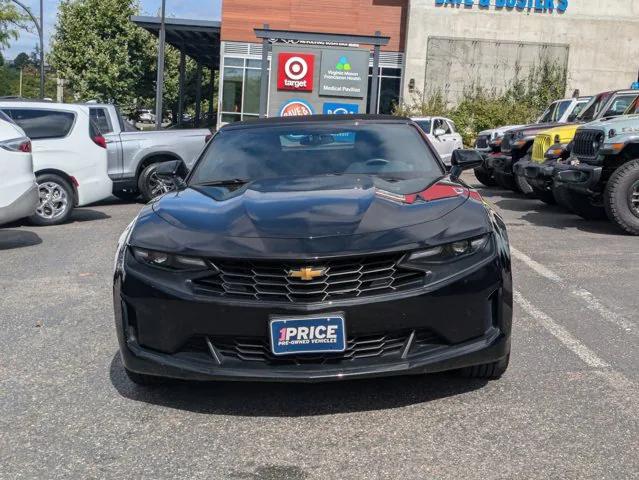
column 621, row 197
column 487, row 371
column 151, row 186
column 485, row 177
column 56, row 200
column 524, row 187
column 520, row 181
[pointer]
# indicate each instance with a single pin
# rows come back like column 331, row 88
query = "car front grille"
column 540, row 147
column 482, row 141
column 340, row 279
column 587, row 143
column 507, row 143
column 257, row 350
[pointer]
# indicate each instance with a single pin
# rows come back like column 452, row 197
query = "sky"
column 195, row 9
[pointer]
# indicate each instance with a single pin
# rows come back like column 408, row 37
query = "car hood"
column 498, row 131
column 617, row 123
column 566, row 132
column 535, row 128
column 332, row 213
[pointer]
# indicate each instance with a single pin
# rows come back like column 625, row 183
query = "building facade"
column 453, row 43
column 241, row 52
column 442, row 45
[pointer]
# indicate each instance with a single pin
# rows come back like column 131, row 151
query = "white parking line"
column 536, row 266
column 588, row 298
column 589, row 357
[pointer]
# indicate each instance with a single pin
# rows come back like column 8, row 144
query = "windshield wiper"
column 228, row 181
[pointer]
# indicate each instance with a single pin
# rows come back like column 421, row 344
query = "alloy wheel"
column 633, row 198
column 158, row 187
column 54, row 201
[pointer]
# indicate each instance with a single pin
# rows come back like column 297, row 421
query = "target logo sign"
column 295, row 71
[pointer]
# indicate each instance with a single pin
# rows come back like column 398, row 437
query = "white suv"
column 442, row 133
column 18, row 190
column 69, row 157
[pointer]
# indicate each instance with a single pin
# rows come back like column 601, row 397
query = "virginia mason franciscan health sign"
column 521, row 5
column 344, row 73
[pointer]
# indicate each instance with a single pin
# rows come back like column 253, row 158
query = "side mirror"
column 464, row 160
column 439, row 132
column 172, row 171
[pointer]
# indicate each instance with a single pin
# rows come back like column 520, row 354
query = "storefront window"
column 240, row 89
column 388, row 89
column 232, row 90
column 252, row 91
column 389, row 94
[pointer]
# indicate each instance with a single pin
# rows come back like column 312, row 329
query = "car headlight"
column 556, row 151
column 444, row 261
column 522, row 140
column 169, row 261
column 121, row 248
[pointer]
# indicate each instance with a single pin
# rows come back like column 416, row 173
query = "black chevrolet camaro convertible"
column 314, row 249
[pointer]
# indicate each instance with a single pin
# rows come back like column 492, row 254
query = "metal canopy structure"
column 269, row 36
column 199, row 39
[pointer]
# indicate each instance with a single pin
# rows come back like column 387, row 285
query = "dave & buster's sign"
column 295, row 71
column 521, row 5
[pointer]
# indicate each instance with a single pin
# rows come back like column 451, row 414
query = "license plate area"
column 299, row 335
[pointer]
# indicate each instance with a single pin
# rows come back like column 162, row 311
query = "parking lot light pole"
column 160, row 78
column 39, row 24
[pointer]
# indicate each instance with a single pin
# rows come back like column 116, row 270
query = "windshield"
column 591, row 110
column 394, row 155
column 579, row 107
column 633, row 108
column 620, row 104
column 561, row 109
column 546, row 117
column 6, row 118
column 424, row 125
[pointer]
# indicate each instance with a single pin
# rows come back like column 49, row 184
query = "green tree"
column 101, row 53
column 10, row 83
column 21, row 60
column 479, row 109
column 1, row 60
column 10, row 22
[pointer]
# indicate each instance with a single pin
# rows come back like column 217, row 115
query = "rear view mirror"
column 439, row 132
column 464, row 160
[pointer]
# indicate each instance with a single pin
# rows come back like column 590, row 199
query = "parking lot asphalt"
column 566, row 408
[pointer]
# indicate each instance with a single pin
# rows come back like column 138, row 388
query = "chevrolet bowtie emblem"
column 307, row 273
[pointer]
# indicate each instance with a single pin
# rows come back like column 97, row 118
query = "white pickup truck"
column 134, row 155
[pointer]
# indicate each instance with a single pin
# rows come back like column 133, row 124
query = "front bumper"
column 538, row 175
column 582, row 178
column 468, row 322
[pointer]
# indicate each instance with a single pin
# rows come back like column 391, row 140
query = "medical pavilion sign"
column 520, row 5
